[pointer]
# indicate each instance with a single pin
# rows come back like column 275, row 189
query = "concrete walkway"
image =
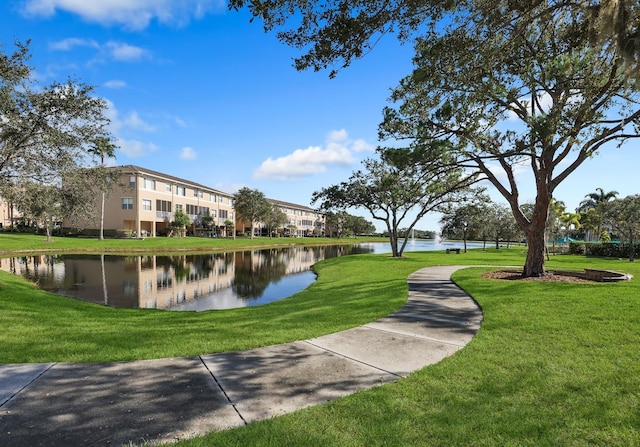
column 109, row 404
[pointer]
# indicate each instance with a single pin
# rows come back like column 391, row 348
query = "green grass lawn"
column 553, row 364
column 17, row 242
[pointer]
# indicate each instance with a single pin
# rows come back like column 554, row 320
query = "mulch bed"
column 550, row 276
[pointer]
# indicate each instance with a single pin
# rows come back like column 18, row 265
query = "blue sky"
column 198, row 92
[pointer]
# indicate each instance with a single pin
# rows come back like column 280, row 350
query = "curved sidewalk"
column 91, row 404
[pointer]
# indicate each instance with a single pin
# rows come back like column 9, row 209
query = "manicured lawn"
column 553, row 364
column 14, row 242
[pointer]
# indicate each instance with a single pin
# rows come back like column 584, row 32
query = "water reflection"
column 178, row 282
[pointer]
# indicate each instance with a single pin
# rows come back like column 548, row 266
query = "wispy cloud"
column 135, row 148
column 115, row 83
column 73, row 42
column 338, row 150
column 124, row 52
column 130, row 121
column 118, row 51
column 130, row 14
column 188, row 153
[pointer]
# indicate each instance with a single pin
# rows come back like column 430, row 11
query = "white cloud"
column 131, row 14
column 135, row 148
column 72, row 42
column 133, row 121
column 130, row 122
column 115, row 83
column 338, row 150
column 362, row 146
column 118, row 51
column 124, row 52
column 188, row 153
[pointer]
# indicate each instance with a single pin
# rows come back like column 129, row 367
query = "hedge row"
column 604, row 249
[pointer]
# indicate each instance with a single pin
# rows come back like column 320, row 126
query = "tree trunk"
column 632, row 249
column 102, row 219
column 393, row 240
column 534, row 264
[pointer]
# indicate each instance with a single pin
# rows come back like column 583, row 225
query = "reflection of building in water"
column 162, row 282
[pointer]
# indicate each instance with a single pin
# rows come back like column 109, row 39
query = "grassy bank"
column 553, row 364
column 21, row 243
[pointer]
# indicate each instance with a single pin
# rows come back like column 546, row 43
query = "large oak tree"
column 518, row 87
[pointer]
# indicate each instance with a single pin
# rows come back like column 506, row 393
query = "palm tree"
column 103, row 147
column 594, row 201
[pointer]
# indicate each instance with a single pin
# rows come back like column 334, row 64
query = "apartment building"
column 303, row 220
column 8, row 213
column 145, row 201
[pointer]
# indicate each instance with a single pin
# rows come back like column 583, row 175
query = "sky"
column 199, row 92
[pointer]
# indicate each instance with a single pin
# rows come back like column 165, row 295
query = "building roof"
column 292, row 205
column 141, row 170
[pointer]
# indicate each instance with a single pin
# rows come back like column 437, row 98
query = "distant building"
column 8, row 213
column 144, row 203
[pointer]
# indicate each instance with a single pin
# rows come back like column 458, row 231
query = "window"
column 223, row 214
column 178, row 207
column 132, row 181
column 213, row 197
column 146, row 205
column 167, row 187
column 214, row 213
column 149, row 184
column 163, row 205
column 197, row 210
column 127, row 203
column 198, row 193
column 181, row 190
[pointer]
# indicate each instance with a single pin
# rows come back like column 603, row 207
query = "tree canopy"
column 251, row 205
column 402, row 186
column 44, row 130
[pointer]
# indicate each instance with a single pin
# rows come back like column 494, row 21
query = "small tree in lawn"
column 274, row 218
column 103, row 147
column 180, row 222
column 228, row 227
column 251, row 205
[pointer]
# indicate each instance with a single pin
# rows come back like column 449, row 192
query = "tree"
column 591, row 208
column 44, row 130
column 624, row 216
column 564, row 69
column 465, row 220
column 359, row 225
column 536, row 66
column 228, row 228
column 336, row 223
column 103, row 147
column 404, row 184
column 275, row 218
column 181, row 221
column 251, row 205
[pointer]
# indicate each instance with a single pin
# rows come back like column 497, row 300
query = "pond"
column 187, row 282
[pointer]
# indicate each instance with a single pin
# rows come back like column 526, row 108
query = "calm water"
column 188, row 282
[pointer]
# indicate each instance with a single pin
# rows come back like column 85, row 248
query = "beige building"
column 145, row 202
column 303, row 220
column 9, row 213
